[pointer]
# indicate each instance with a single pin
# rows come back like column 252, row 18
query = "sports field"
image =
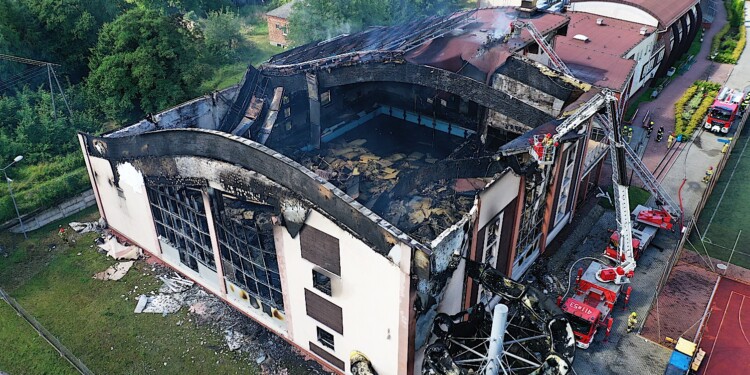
column 723, row 227
column 725, row 335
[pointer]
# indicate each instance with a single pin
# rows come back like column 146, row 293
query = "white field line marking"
column 739, row 159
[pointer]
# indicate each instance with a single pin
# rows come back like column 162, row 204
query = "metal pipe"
column 499, row 321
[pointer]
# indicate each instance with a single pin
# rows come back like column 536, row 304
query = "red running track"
column 726, row 335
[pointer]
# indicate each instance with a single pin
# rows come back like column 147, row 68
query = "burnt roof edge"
column 375, row 231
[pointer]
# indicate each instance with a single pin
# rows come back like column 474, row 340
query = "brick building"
column 278, row 24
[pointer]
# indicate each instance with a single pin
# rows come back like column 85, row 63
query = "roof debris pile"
column 433, row 208
column 241, row 334
column 352, row 167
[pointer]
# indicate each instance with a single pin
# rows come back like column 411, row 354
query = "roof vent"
column 600, row 21
column 644, row 29
column 582, row 38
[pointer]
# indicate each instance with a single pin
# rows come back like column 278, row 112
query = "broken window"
column 321, row 282
column 325, row 338
column 180, row 219
column 248, row 251
column 325, row 98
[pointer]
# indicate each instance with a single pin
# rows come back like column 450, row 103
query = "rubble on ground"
column 93, row 226
column 119, row 251
column 116, row 272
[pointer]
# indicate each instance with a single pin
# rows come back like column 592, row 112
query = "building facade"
column 336, row 198
column 278, row 24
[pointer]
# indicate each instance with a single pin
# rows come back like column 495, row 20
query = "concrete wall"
column 125, row 205
column 204, row 112
column 615, row 10
column 71, row 206
column 371, row 291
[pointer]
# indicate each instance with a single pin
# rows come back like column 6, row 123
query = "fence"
column 52, row 340
column 71, row 206
column 677, row 252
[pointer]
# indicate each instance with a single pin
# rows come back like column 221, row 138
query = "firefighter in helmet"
column 632, row 321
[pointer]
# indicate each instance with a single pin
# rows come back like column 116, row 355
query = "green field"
column 93, row 319
column 24, row 351
column 726, row 212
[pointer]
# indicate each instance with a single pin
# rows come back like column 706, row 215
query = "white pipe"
column 499, row 321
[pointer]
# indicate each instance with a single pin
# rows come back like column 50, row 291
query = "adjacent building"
column 334, row 193
column 278, row 24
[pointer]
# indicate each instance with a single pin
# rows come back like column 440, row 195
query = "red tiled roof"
column 451, row 52
column 666, row 11
column 600, row 61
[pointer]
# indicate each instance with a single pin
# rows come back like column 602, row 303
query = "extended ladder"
column 539, row 38
column 649, row 180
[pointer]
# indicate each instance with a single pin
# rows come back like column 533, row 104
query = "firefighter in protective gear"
column 649, row 129
column 670, row 140
column 709, row 174
column 660, row 134
column 632, row 321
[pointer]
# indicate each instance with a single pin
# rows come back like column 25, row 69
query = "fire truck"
column 647, row 223
column 598, row 289
column 724, row 111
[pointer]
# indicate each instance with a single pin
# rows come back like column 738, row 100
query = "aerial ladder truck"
column 599, row 287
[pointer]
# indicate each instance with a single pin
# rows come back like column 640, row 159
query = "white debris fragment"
column 82, row 228
column 234, row 339
column 174, row 284
column 159, row 304
column 115, row 272
column 119, row 251
column 142, row 301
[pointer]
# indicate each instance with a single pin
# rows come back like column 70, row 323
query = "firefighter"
column 649, row 129
column 61, row 233
column 709, row 174
column 630, row 133
column 632, row 321
column 670, row 140
column 660, row 134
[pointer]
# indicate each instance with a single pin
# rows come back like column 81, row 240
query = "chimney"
column 600, row 21
column 643, row 30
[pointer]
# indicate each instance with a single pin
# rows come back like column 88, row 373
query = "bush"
column 716, row 42
column 679, row 107
column 697, row 119
column 740, row 45
column 45, row 194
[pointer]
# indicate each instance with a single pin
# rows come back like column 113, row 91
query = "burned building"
column 337, row 194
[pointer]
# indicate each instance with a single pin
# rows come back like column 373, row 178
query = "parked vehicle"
column 724, row 111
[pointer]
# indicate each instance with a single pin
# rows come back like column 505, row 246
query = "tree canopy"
column 313, row 20
column 144, row 61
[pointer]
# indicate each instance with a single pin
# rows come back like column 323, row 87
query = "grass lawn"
column 94, row 319
column 636, row 196
column 726, row 212
column 254, row 49
column 23, row 351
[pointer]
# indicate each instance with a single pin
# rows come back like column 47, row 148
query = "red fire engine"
column 723, row 112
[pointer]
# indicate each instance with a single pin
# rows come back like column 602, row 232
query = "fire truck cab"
column 724, row 111
column 590, row 306
column 645, row 226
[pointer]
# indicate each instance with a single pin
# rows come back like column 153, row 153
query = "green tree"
column 313, row 20
column 144, row 61
column 222, row 33
column 69, row 29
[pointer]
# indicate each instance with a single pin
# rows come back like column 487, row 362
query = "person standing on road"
column 659, row 134
column 670, row 140
column 709, row 174
column 649, row 129
column 632, row 321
